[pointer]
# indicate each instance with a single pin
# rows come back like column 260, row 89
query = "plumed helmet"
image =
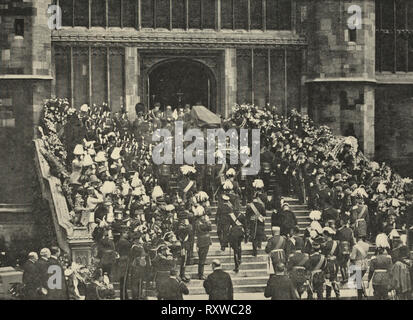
column 230, row 173
column 100, row 157
column 258, row 184
column 78, row 151
column 87, row 161
column 187, row 169
column 201, row 196
column 315, row 215
column 108, row 187
column 157, row 192
column 116, row 153
column 227, row 185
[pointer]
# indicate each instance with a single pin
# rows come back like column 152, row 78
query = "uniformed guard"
column 163, row 263
column 346, row 242
column 138, row 261
column 358, row 257
column 203, row 228
column 330, row 251
column 360, row 214
column 236, row 235
column 183, row 234
column 379, row 273
column 255, row 214
column 187, row 185
column 316, row 266
column 296, row 269
column 275, row 249
column 225, row 208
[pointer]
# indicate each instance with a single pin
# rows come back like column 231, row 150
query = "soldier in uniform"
column 358, row 257
column 255, row 214
column 163, row 263
column 139, row 263
column 203, row 228
column 346, row 242
column 225, row 208
column 275, row 249
column 183, row 234
column 316, row 266
column 360, row 217
column 296, row 269
column 379, row 274
column 236, row 235
column 330, row 250
column 174, row 288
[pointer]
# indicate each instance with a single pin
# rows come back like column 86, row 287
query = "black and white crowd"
column 147, row 219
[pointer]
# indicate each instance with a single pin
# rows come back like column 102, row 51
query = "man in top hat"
column 316, row 266
column 275, row 249
column 330, row 251
column 255, row 215
column 380, row 274
column 280, row 286
column 296, row 269
column 324, row 194
column 218, row 284
column 203, row 228
column 225, row 208
column 293, row 240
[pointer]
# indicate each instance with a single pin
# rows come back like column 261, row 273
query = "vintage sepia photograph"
column 216, row 150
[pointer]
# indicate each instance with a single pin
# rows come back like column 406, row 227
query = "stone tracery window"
column 394, row 35
column 181, row 14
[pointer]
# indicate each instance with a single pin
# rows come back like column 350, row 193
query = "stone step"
column 195, row 284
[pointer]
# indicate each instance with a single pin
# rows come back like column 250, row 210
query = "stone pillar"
column 367, row 122
column 131, row 80
column 230, row 81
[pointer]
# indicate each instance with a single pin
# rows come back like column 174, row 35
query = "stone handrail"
column 76, row 241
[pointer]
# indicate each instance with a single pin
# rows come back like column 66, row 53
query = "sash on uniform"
column 333, row 248
column 270, row 265
column 188, row 186
column 258, row 215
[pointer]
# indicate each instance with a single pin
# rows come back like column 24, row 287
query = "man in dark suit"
column 218, row 285
column 279, row 286
column 58, row 293
column 42, row 266
column 173, row 288
column 288, row 220
column 30, row 279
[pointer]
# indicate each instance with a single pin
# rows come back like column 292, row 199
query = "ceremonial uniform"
column 330, row 250
column 162, row 265
column 173, row 289
column 139, row 263
column 346, row 242
column 358, row 257
column 360, row 219
column 297, row 271
column 225, row 208
column 316, row 265
column 236, row 235
column 276, row 252
column 255, row 214
column 203, row 229
column 379, row 274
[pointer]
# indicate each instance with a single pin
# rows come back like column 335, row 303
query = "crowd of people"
column 145, row 227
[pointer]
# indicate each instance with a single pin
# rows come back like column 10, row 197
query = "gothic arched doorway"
column 178, row 82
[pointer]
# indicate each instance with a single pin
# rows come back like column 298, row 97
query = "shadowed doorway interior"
column 182, row 81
